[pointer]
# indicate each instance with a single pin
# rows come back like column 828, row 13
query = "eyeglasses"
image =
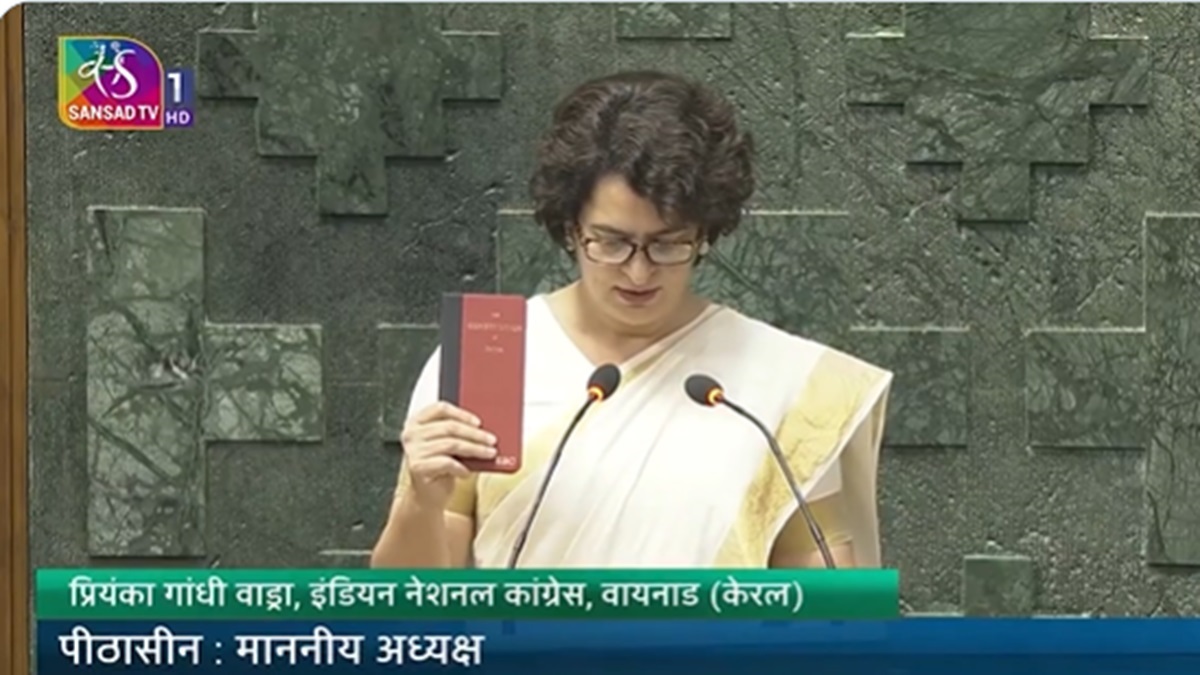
column 617, row 251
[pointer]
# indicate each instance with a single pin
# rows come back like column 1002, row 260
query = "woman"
column 640, row 174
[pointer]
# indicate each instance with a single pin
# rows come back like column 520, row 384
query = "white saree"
column 651, row 479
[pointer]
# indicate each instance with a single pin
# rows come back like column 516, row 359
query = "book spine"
column 450, row 379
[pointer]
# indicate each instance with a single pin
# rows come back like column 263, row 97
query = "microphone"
column 601, row 385
column 708, row 392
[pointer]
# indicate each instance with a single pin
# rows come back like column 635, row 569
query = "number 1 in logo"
column 180, row 97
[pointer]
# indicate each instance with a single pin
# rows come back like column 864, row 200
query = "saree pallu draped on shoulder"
column 650, row 479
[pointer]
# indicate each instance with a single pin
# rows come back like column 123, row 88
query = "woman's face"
column 635, row 269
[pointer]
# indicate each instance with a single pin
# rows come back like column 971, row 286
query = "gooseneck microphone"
column 708, row 392
column 601, row 385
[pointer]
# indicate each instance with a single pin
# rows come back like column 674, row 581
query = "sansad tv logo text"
column 117, row 83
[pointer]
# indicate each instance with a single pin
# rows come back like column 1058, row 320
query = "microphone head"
column 604, row 381
column 704, row 390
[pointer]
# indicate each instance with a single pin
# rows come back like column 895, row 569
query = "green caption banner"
column 327, row 594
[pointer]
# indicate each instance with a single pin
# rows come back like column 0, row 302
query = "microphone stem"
column 523, row 535
column 817, row 535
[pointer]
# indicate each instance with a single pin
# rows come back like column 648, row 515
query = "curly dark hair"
column 675, row 141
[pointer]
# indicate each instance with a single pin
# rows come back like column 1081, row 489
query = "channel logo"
column 117, row 83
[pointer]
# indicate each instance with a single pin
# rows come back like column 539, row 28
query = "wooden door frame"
column 14, row 381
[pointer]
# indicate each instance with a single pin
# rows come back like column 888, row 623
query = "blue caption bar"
column 917, row 646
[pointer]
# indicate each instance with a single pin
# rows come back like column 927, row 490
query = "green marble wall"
column 999, row 202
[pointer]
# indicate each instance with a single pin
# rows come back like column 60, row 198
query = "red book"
column 483, row 369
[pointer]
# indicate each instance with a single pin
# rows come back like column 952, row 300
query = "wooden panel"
column 14, row 541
